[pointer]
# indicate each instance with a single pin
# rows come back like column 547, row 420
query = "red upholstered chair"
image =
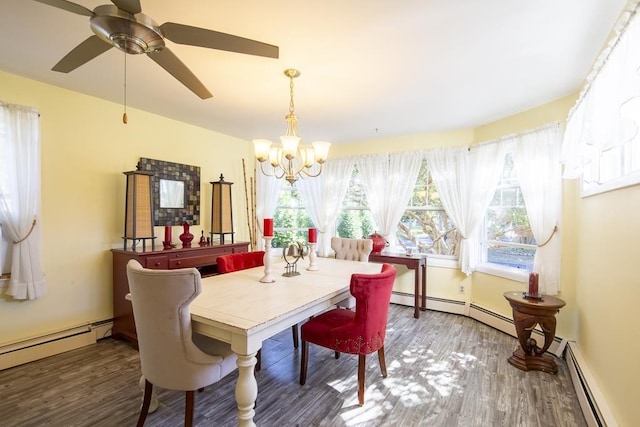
column 239, row 261
column 242, row 261
column 358, row 332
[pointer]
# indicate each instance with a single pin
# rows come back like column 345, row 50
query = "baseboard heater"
column 594, row 407
column 52, row 343
column 437, row 304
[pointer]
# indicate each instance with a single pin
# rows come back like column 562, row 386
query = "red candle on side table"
column 268, row 227
column 533, row 285
column 313, row 235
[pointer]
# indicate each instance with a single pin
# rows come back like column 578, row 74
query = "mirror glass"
column 171, row 194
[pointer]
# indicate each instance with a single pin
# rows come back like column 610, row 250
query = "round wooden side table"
column 527, row 312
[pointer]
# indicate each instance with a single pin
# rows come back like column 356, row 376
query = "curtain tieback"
column 33, row 225
column 550, row 237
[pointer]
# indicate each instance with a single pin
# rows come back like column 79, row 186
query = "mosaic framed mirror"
column 175, row 191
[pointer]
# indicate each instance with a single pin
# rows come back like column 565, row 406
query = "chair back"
column 168, row 356
column 352, row 249
column 239, row 261
column 367, row 332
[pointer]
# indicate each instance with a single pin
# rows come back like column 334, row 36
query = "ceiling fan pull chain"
column 124, row 115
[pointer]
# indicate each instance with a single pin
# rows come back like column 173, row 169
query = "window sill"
column 442, row 261
column 515, row 274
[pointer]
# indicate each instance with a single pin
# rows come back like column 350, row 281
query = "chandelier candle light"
column 313, row 239
column 290, row 159
column 268, row 237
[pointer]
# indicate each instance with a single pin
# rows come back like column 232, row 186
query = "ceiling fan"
column 124, row 26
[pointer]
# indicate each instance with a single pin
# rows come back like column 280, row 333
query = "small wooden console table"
column 527, row 312
column 412, row 262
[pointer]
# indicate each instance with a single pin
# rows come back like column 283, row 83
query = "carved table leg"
column 529, row 356
column 246, row 390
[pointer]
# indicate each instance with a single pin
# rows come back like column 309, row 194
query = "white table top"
column 239, row 309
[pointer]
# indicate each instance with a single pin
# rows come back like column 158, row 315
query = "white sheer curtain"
column 389, row 180
column 536, row 157
column 595, row 124
column 267, row 194
column 466, row 181
column 322, row 197
column 20, row 198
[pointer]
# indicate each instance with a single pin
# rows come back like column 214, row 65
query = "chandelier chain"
column 291, row 106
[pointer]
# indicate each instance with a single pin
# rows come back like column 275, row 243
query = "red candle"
column 167, row 234
column 533, row 284
column 268, row 227
column 313, row 235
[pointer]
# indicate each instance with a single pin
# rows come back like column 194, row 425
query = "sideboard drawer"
column 192, row 261
column 201, row 258
column 157, row 262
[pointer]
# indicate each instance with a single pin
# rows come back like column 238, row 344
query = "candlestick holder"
column 267, row 278
column 312, row 257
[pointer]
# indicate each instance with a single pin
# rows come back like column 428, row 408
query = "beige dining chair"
column 172, row 356
column 353, row 250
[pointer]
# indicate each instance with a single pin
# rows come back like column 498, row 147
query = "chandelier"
column 290, row 159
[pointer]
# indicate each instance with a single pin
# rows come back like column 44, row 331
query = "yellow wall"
column 85, row 149
column 608, row 283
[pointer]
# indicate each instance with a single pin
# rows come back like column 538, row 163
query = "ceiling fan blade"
column 68, row 6
column 167, row 60
column 131, row 6
column 81, row 54
column 194, row 36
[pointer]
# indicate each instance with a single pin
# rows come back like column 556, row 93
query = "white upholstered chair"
column 353, row 250
column 171, row 355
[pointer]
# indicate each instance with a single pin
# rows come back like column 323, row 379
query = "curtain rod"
column 20, row 107
column 620, row 27
column 514, row 135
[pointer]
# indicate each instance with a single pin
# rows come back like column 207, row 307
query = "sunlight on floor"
column 442, row 379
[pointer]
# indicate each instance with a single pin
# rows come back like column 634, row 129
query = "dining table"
column 239, row 309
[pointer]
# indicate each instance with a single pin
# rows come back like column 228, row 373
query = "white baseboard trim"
column 35, row 348
column 437, row 304
column 594, row 406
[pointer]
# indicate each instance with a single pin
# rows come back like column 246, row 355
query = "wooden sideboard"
column 201, row 257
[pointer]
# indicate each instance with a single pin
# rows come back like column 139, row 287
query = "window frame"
column 627, row 174
column 495, row 269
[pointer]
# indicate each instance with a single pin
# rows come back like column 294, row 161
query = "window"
column 612, row 168
column 355, row 220
column 291, row 221
column 425, row 226
column 508, row 240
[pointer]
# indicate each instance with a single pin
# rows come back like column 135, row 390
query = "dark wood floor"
column 444, row 370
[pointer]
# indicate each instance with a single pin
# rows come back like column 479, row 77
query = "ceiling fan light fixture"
column 129, row 44
column 135, row 34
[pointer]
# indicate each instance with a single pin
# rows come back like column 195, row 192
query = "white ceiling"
column 370, row 68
